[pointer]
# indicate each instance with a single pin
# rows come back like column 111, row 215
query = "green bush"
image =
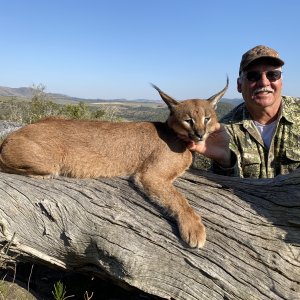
column 59, row 292
column 76, row 111
column 201, row 162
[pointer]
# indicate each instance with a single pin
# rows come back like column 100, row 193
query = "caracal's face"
column 193, row 119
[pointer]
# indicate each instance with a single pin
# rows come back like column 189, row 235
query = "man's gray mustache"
column 260, row 90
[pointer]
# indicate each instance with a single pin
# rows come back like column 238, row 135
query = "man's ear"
column 239, row 84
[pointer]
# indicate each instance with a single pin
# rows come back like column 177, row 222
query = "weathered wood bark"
column 108, row 227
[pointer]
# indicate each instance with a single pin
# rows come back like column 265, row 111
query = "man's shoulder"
column 291, row 108
column 291, row 101
column 235, row 115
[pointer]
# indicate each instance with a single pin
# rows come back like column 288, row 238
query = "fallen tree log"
column 108, row 228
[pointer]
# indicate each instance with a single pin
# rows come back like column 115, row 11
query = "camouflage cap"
column 259, row 52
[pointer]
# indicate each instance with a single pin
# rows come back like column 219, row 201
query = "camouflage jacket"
column 253, row 158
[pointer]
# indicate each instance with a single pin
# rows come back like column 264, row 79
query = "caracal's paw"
column 193, row 232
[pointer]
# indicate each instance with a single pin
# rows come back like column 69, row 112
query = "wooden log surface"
column 108, row 227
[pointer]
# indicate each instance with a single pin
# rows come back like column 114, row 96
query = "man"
column 260, row 138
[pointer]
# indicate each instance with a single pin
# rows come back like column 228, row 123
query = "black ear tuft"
column 167, row 99
column 217, row 97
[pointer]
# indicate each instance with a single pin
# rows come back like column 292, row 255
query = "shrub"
column 41, row 106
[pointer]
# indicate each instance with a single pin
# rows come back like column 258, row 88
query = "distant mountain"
column 16, row 92
column 234, row 101
column 24, row 92
column 27, row 93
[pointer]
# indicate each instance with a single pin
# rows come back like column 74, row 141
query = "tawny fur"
column 149, row 151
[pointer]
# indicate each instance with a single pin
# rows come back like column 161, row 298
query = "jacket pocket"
column 290, row 161
column 292, row 155
column 251, row 165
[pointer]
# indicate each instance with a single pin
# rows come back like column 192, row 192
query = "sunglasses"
column 254, row 76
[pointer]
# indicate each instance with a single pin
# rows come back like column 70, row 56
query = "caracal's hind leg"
column 27, row 158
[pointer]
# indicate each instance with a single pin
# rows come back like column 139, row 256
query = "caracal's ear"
column 168, row 100
column 217, row 97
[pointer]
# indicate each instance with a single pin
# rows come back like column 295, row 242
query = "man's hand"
column 215, row 147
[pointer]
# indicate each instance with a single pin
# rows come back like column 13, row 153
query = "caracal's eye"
column 190, row 121
column 206, row 120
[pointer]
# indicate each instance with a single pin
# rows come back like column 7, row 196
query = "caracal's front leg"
column 191, row 229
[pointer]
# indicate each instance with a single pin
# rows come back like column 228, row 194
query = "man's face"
column 263, row 92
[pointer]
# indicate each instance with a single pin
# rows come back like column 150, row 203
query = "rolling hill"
column 26, row 93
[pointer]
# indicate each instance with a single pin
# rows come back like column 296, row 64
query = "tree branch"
column 108, row 227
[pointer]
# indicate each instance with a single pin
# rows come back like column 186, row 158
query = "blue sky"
column 112, row 49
